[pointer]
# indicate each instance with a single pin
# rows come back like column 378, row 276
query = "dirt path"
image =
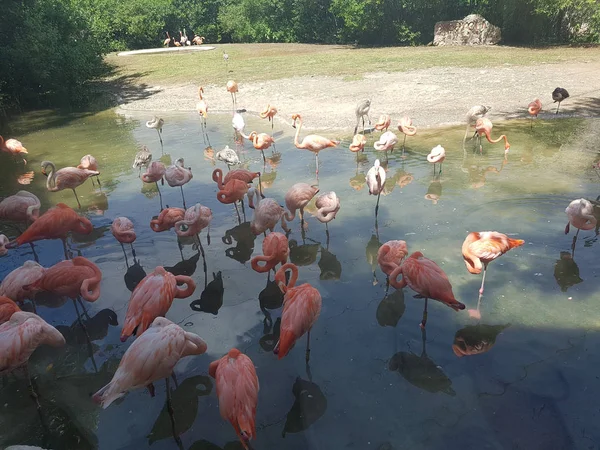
column 431, row 97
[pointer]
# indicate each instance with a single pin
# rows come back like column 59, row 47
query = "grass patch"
column 257, row 62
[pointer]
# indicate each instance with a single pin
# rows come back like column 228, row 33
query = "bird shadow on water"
column 244, row 238
column 211, row 298
column 309, row 406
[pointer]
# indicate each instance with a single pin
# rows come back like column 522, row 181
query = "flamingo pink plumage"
column 358, row 143
column 89, row 162
column 297, row 197
column 167, row 219
column 269, row 113
column 312, row 142
column 237, row 391
column 4, row 241
column 484, row 126
column 178, row 175
column 427, row 279
column 7, row 309
column 66, row 178
column 386, row 142
column 13, row 147
column 151, row 357
column 13, row 284
column 152, row 298
column 383, row 123
column 327, row 204
column 376, row 182
column 437, row 155
column 21, row 207
column 390, row 255
column 267, row 213
column 196, row 219
column 301, row 309
column 123, row 231
column 406, row 127
column 238, row 174
column 275, row 251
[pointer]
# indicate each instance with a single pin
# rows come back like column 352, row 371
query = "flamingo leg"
column 76, row 198
column 132, row 250
column 363, row 121
column 424, row 320
column 159, row 137
column 98, row 180
column 87, row 336
column 327, row 234
column 317, row 162
column 377, row 205
column 64, row 241
column 574, row 241
column 172, row 414
column 356, row 127
column 32, row 392
column 159, row 195
column 387, row 285
column 260, row 187
column 238, row 212
column 557, row 108
column 203, row 256
column 307, row 346
column 125, row 254
column 35, row 255
column 264, row 158
column 243, row 209
column 183, row 197
column 476, row 314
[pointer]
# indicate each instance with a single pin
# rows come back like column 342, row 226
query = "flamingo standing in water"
column 151, row 357
column 23, row 207
column 196, row 219
column 267, row 213
column 476, row 112
column 328, row 205
column 275, row 251
column 143, row 158
column 406, row 127
column 13, row 284
column 178, row 175
column 238, row 124
column 481, row 248
column 228, row 156
column 581, row 216
column 558, row 95
column 427, row 279
column 484, row 126
column 155, row 173
column 7, row 309
column 237, row 174
column 89, row 162
column 260, row 141
column 54, row 224
column 376, row 181
column 123, row 231
column 233, row 191
column 390, row 256
column 534, row 109
column 152, row 298
column 437, row 155
column 296, row 198
column 358, row 144
column 312, row 142
column 301, row 309
column 383, row 123
column 232, row 88
column 386, row 142
column 157, row 124
column 202, row 106
column 66, row 178
column 13, row 147
column 237, row 391
column 269, row 113
column 167, row 219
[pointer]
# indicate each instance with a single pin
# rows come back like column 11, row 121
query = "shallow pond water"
column 371, row 383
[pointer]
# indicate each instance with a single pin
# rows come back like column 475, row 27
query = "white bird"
column 386, row 142
column 376, row 181
column 362, row 110
column 143, row 158
column 238, row 124
column 476, row 112
column 156, row 123
column 228, row 156
column 437, row 155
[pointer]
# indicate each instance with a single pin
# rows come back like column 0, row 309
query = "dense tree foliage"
column 51, row 48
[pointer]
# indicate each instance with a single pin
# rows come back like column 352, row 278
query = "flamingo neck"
column 51, row 180
column 200, row 90
column 294, row 269
column 218, row 177
column 251, row 196
column 289, row 215
column 296, row 142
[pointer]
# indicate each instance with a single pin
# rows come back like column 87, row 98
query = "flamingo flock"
column 159, row 343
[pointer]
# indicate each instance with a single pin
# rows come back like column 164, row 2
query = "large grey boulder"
column 472, row 30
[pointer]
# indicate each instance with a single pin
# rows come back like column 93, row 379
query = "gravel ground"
column 431, row 97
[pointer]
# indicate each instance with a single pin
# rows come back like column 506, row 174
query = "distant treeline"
column 50, row 49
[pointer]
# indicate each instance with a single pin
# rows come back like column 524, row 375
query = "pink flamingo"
column 123, row 231
column 155, row 172
column 7, row 309
column 232, row 88
column 358, row 144
column 481, row 248
column 581, row 216
column 484, row 126
column 237, row 391
column 89, row 162
column 275, row 251
column 196, row 219
column 267, row 212
column 427, row 279
column 534, row 109
column 376, row 181
column 301, row 309
column 151, row 357
column 178, row 175
column 260, row 141
column 406, row 127
column 233, row 191
column 202, row 106
column 152, row 298
column 21, row 207
column 296, row 198
column 328, row 205
column 54, row 224
column 4, row 241
column 386, row 142
column 269, row 113
column 437, row 155
column 383, row 123
column 390, row 256
column 312, row 142
column 237, row 174
column 13, row 284
column 167, row 219
column 12, row 147
column 66, row 178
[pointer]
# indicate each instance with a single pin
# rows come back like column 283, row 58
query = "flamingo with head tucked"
column 386, row 142
column 581, row 216
column 390, row 256
column 13, row 284
column 233, row 191
column 558, row 95
column 267, row 213
column 123, row 231
column 152, row 298
column 89, row 162
column 157, row 124
column 275, row 251
column 178, row 175
column 437, row 155
column 167, row 219
column 328, row 205
column 237, row 391
column 406, row 127
column 301, row 309
column 383, row 123
column 143, row 158
column 196, row 219
column 358, row 144
column 155, row 172
column 296, row 198
column 534, row 109
column 228, row 156
column 312, row 142
column 66, row 178
column 23, row 207
column 481, row 248
column 376, row 181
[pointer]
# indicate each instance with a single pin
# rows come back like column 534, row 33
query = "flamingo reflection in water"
column 476, row 339
column 566, row 271
column 244, row 238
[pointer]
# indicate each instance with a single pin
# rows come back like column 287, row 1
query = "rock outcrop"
column 472, row 30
